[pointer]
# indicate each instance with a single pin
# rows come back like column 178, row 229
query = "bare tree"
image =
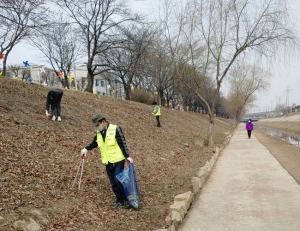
column 218, row 32
column 127, row 58
column 244, row 82
column 202, row 85
column 18, row 19
column 161, row 72
column 14, row 69
column 25, row 74
column 49, row 78
column 95, row 19
column 60, row 47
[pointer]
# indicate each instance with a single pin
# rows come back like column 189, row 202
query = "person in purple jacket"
column 249, row 127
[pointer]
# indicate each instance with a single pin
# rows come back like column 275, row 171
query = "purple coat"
column 249, row 126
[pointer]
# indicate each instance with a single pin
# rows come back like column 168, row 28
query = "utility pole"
column 271, row 105
column 278, row 100
column 287, row 91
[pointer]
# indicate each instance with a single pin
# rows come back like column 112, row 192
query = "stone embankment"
column 182, row 202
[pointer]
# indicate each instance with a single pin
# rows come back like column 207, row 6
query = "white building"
column 34, row 73
column 103, row 84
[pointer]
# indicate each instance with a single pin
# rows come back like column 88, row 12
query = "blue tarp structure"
column 128, row 179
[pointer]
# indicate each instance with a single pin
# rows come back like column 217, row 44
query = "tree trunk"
column 90, row 78
column 238, row 114
column 66, row 80
column 161, row 97
column 127, row 92
column 168, row 103
column 4, row 67
column 211, row 130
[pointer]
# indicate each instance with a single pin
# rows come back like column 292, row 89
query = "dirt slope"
column 39, row 159
column 287, row 154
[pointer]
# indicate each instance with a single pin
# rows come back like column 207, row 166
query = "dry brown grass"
column 289, row 127
column 39, row 159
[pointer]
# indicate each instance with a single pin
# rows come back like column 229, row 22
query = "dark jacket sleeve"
column 122, row 142
column 93, row 144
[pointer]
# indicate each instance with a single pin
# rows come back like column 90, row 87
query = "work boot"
column 117, row 205
column 53, row 118
column 126, row 205
column 59, row 118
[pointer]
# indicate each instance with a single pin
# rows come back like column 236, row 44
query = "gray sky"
column 285, row 79
column 285, row 70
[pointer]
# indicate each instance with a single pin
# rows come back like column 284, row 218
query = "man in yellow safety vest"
column 156, row 113
column 111, row 142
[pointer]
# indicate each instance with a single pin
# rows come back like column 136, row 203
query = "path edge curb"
column 182, row 202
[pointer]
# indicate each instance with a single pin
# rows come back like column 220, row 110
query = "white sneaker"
column 53, row 118
column 59, row 119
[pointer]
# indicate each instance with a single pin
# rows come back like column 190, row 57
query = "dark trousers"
column 55, row 103
column 56, row 108
column 113, row 170
column 249, row 133
column 157, row 121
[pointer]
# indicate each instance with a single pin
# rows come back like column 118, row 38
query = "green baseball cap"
column 96, row 118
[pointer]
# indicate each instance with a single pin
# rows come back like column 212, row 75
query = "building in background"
column 105, row 84
column 34, row 74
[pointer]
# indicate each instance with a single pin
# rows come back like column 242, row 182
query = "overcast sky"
column 284, row 84
column 285, row 79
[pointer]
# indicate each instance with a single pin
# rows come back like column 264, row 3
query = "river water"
column 286, row 137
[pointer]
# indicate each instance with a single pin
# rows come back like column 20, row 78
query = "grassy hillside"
column 39, row 159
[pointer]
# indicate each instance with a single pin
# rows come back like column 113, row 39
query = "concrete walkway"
column 247, row 190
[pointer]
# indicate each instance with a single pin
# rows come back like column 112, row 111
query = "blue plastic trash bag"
column 128, row 179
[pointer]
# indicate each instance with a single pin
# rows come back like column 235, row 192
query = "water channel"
column 284, row 136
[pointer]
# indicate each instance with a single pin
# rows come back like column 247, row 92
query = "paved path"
column 247, row 190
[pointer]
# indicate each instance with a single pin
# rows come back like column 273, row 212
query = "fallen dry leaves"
column 40, row 158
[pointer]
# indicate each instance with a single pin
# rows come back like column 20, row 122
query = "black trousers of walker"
column 249, row 133
column 157, row 121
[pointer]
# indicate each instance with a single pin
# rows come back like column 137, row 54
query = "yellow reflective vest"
column 110, row 150
column 157, row 110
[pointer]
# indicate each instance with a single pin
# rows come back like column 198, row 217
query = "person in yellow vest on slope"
column 156, row 113
column 111, row 142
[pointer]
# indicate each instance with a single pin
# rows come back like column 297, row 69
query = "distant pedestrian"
column 53, row 100
column 156, row 113
column 249, row 127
